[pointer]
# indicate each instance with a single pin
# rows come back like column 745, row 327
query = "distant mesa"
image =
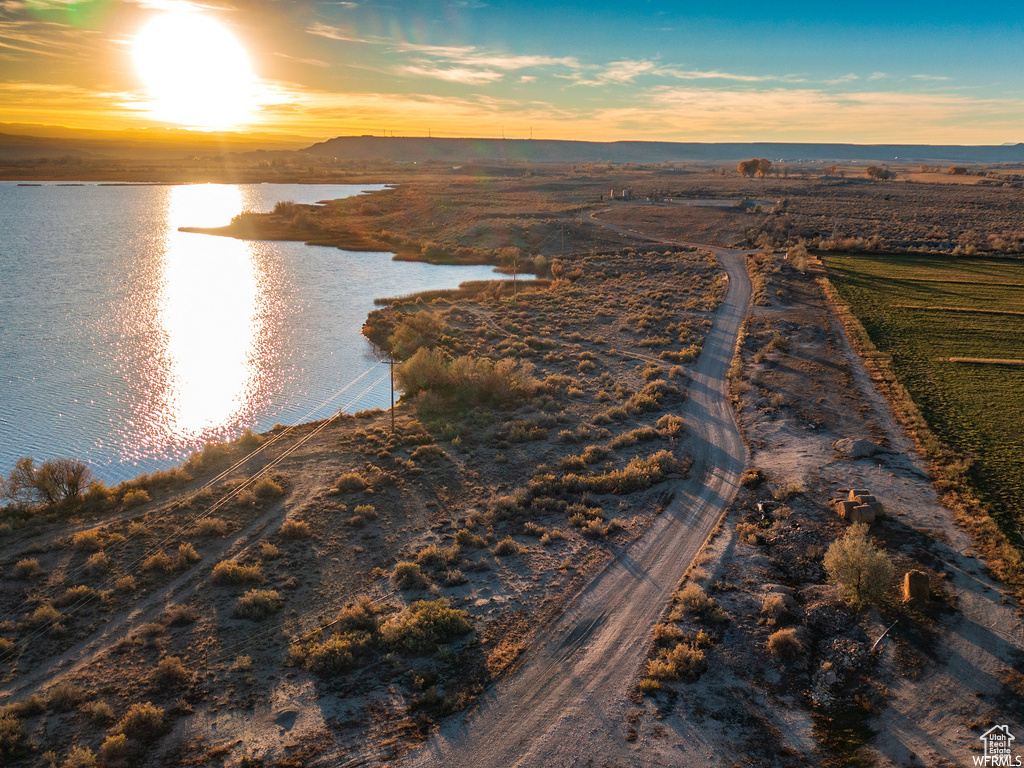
column 424, row 148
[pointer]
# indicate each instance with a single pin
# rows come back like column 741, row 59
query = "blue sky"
column 686, row 71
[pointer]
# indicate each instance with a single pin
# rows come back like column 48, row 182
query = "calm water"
column 127, row 343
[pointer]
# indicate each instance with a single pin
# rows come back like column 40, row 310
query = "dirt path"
column 569, row 702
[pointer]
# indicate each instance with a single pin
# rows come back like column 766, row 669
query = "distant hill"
column 419, row 149
column 20, row 141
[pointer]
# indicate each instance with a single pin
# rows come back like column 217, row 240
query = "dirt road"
column 568, row 704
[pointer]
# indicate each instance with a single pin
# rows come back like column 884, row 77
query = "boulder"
column 855, row 493
column 915, row 587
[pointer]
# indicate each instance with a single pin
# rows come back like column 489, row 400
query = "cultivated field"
column 953, row 328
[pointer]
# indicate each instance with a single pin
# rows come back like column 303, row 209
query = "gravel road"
column 567, row 704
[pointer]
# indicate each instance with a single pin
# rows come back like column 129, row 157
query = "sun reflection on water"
column 209, row 316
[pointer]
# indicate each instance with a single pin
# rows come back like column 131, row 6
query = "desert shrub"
column 125, row 585
column 596, row 529
column 634, row 436
column 64, row 696
column 187, row 555
column 363, row 615
column 88, row 541
column 98, row 494
column 433, row 555
column 594, row 453
column 531, row 528
column 773, row 608
column 692, row 599
column 212, row 456
column 269, row 552
column 648, row 686
column 506, row 546
column 76, row 594
column 641, row 403
column 44, row 615
column 453, row 577
column 350, row 482
column 670, row 425
column 752, row 477
column 160, row 561
column 98, row 562
column 267, row 489
column 413, row 331
column 98, row 711
column 11, row 734
column 861, row 572
column 211, row 526
column 170, row 670
column 233, row 573
column 26, row 568
column 337, row 654
column 787, row 491
column 425, row 625
column 466, row 379
column 551, row 536
column 258, row 604
column 178, row 615
column 293, row 530
column 409, row 576
column 80, row 757
column 430, row 454
column 142, row 722
column 784, row 644
column 136, row 497
column 114, row 749
column 366, row 511
column 466, row 538
column 668, row 635
column 684, row 662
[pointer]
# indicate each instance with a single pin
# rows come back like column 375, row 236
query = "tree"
column 62, row 479
column 54, row 481
column 861, row 572
column 878, row 173
column 757, row 166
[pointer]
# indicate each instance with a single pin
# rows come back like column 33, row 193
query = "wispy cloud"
column 454, row 75
column 299, row 60
column 931, row 78
column 336, row 33
column 849, row 78
column 627, row 71
column 472, row 56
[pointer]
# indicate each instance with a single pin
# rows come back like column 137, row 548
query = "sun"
column 196, row 72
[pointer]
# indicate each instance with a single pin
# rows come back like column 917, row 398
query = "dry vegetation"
column 388, row 575
column 379, row 580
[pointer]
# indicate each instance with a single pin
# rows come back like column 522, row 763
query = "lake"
column 128, row 344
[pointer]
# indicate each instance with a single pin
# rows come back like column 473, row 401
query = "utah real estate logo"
column 998, row 743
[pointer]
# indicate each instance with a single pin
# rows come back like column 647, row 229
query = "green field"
column 906, row 304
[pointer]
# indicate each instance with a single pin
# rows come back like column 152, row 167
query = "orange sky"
column 598, row 71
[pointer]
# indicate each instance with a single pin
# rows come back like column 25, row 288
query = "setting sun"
column 196, row 72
